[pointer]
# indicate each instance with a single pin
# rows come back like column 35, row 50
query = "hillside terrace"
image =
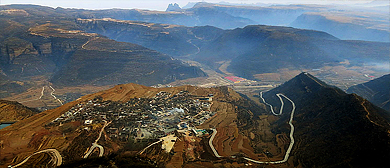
column 141, row 118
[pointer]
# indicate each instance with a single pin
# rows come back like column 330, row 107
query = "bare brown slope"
column 127, row 91
column 122, row 93
column 14, row 111
column 20, row 139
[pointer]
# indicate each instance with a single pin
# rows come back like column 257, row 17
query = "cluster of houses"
column 142, row 118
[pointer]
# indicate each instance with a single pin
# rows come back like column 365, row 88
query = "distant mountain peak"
column 189, row 5
column 202, row 4
column 173, row 7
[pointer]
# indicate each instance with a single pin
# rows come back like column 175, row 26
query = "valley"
column 72, row 48
column 213, row 85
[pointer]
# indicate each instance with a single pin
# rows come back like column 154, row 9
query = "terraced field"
column 228, row 140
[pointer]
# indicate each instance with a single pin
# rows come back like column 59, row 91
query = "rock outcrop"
column 173, row 7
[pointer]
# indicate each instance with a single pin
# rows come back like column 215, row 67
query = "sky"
column 155, row 4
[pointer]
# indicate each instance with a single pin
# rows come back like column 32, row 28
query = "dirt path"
column 86, row 43
column 40, row 97
column 150, row 146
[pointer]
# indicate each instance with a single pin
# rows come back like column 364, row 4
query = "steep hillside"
column 376, row 91
column 40, row 41
column 121, row 63
column 14, row 111
column 251, row 50
column 263, row 49
column 169, row 39
column 332, row 128
column 251, row 47
column 9, row 87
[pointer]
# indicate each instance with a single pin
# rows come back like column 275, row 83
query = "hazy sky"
column 152, row 4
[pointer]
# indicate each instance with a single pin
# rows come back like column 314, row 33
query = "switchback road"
column 287, row 155
column 56, row 158
column 96, row 145
column 55, row 98
column 272, row 109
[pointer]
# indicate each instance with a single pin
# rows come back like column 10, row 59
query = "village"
column 143, row 119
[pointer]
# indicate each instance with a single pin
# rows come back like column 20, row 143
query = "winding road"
column 40, row 97
column 43, row 89
column 272, row 109
column 88, row 42
column 291, row 131
column 190, row 42
column 96, row 145
column 52, row 94
column 150, row 146
column 56, row 158
column 42, row 93
column 287, row 155
column 211, row 143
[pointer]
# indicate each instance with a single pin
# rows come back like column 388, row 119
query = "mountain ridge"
column 341, row 22
column 14, row 111
column 375, row 91
column 327, row 119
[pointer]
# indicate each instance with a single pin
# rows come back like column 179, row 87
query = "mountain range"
column 250, row 47
column 253, row 47
column 346, row 24
column 376, row 91
column 55, row 44
column 303, row 122
column 38, row 41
